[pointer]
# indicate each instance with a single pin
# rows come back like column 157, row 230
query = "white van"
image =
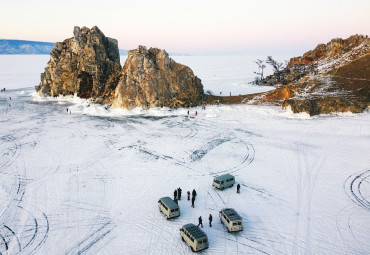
column 231, row 219
column 169, row 207
column 223, row 181
column 194, row 237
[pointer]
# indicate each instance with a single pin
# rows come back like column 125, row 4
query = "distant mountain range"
column 11, row 47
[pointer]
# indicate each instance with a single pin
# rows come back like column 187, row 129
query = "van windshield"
column 216, row 181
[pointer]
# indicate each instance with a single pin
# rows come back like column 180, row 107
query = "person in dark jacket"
column 194, row 193
column 188, row 195
column 179, row 190
column 175, row 194
column 192, row 201
column 200, row 221
column 238, row 188
column 210, row 220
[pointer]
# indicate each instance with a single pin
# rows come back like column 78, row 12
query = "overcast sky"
column 191, row 26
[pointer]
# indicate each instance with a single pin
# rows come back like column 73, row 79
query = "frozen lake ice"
column 88, row 182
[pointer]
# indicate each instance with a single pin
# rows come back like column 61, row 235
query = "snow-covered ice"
column 89, row 182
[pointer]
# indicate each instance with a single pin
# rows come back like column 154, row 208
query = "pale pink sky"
column 201, row 26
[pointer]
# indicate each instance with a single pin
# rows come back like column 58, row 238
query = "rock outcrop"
column 150, row 78
column 87, row 64
column 334, row 77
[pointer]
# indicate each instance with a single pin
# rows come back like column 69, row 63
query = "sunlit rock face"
column 87, row 64
column 150, row 78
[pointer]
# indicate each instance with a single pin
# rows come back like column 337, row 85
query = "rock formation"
column 151, row 79
column 87, row 64
column 334, row 77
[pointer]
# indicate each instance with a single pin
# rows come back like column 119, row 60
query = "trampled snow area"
column 89, row 182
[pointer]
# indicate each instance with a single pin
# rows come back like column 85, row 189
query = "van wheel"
column 192, row 249
column 222, row 188
column 232, row 185
column 183, row 239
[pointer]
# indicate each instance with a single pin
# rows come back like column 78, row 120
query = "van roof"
column 193, row 230
column 231, row 214
column 224, row 177
column 169, row 202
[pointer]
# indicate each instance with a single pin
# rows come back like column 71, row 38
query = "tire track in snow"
column 356, row 186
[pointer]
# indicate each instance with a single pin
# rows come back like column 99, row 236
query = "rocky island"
column 88, row 65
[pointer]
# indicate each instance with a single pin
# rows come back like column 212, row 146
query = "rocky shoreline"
column 335, row 77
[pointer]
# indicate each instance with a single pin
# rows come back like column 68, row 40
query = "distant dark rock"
column 87, row 64
column 150, row 78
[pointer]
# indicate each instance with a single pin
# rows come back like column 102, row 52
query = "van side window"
column 227, row 220
column 200, row 242
column 192, row 239
column 172, row 210
column 239, row 223
column 176, row 209
column 222, row 182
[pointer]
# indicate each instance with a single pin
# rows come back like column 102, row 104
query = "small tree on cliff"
column 261, row 65
column 277, row 67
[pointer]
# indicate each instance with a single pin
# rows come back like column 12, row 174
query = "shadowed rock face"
column 87, row 64
column 151, row 79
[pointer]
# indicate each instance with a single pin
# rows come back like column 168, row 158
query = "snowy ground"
column 89, row 182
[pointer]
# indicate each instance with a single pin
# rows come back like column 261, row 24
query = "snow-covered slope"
column 88, row 182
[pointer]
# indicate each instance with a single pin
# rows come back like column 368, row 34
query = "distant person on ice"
column 192, row 201
column 200, row 221
column 188, row 195
column 194, row 193
column 179, row 190
column 210, row 220
column 175, row 194
column 238, row 188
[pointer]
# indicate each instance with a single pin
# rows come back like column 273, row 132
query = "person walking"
column 179, row 190
column 194, row 193
column 188, row 195
column 200, row 221
column 192, row 201
column 196, row 113
column 238, row 188
column 175, row 194
column 210, row 220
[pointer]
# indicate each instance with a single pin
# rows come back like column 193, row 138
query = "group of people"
column 200, row 221
column 178, row 192
column 177, row 196
column 3, row 90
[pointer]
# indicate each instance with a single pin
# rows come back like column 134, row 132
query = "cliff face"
column 333, row 49
column 87, row 64
column 334, row 77
column 151, row 79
